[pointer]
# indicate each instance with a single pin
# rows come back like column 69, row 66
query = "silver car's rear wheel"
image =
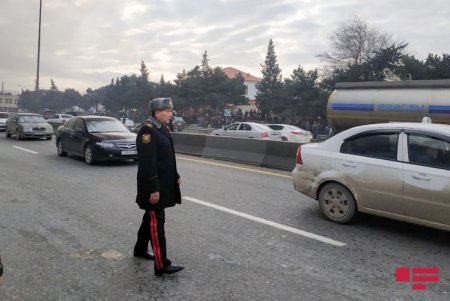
column 88, row 155
column 337, row 203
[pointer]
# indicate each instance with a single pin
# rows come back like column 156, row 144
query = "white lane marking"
column 267, row 222
column 25, row 150
column 236, row 167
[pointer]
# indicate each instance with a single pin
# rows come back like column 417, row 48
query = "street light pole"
column 37, row 100
column 39, row 46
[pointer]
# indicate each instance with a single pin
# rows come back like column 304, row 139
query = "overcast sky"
column 86, row 43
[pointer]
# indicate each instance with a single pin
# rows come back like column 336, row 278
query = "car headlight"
column 105, row 144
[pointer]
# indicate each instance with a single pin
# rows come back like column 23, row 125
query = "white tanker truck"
column 357, row 103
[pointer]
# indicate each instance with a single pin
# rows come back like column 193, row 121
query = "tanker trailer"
column 358, row 103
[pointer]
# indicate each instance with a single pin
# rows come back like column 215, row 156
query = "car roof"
column 96, row 117
column 336, row 140
column 404, row 125
column 27, row 114
column 428, row 127
column 279, row 124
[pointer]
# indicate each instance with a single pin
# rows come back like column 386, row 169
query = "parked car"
column 247, row 130
column 129, row 123
column 395, row 170
column 178, row 124
column 48, row 113
column 3, row 117
column 28, row 125
column 59, row 118
column 96, row 138
column 291, row 133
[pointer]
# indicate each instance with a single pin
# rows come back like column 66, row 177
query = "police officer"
column 157, row 184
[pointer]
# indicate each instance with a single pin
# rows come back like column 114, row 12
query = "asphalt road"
column 67, row 232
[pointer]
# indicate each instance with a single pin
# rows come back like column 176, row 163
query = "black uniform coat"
column 157, row 168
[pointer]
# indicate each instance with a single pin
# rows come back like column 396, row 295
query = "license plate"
column 128, row 152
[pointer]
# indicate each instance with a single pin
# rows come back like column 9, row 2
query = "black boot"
column 171, row 269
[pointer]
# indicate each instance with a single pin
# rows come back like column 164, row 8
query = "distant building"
column 8, row 102
column 250, row 82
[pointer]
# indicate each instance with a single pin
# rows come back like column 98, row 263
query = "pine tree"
column 53, row 87
column 269, row 88
column 206, row 69
column 145, row 75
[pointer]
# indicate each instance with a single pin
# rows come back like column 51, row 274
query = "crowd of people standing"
column 317, row 125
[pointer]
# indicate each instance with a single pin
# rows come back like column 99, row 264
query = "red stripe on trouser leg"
column 155, row 241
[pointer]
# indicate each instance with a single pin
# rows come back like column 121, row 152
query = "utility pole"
column 37, row 100
column 39, row 46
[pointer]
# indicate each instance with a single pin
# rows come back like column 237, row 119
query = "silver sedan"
column 395, row 170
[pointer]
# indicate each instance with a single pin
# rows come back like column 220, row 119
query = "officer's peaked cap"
column 160, row 104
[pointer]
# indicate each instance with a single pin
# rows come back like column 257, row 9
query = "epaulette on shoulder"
column 149, row 124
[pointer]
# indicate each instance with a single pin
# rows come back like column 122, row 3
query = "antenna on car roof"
column 426, row 119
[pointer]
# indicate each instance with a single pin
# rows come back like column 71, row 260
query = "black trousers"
column 152, row 229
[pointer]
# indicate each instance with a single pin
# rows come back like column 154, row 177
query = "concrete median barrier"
column 190, row 144
column 243, row 150
column 267, row 153
column 280, row 155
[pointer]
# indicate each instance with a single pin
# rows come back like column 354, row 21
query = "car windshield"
column 31, row 119
column 4, row 115
column 106, row 125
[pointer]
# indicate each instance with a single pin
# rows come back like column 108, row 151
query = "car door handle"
column 420, row 176
column 349, row 164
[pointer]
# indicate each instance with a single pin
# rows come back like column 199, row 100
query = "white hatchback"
column 291, row 133
column 59, row 118
column 247, row 130
column 395, row 170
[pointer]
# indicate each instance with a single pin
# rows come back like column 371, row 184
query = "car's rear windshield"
column 276, row 127
column 4, row 115
column 31, row 119
column 105, row 125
